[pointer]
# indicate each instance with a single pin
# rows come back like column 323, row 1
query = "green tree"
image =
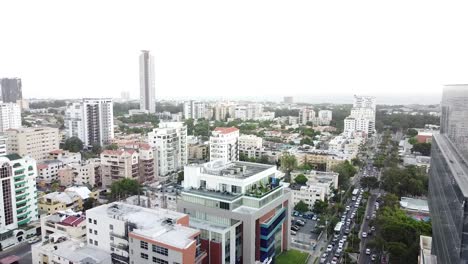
column 96, row 149
column 124, row 188
column 89, row 203
column 300, row 179
column 180, row 177
column 345, row 171
column 73, row 144
column 369, row 182
column 112, row 146
column 411, row 132
column 423, row 148
column 306, row 141
column 288, row 164
column 190, row 126
column 301, row 207
column 320, row 207
column 413, row 141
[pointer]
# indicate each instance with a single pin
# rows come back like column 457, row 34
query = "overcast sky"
column 235, row 48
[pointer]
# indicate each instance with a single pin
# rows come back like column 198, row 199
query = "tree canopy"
column 300, row 179
column 405, row 181
column 73, row 144
column 288, row 164
column 124, row 188
column 423, row 148
column 345, row 171
column 369, row 182
column 301, row 207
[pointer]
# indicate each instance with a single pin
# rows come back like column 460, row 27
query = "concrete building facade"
column 224, row 144
column 35, row 142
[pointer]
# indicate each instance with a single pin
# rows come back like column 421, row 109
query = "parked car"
column 373, row 257
column 329, row 248
column 367, row 251
column 293, row 232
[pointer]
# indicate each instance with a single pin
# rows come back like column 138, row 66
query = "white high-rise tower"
column 147, row 100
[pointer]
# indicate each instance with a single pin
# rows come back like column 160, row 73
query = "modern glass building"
column 448, row 182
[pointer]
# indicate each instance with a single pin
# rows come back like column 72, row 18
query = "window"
column 159, row 261
column 90, row 220
column 90, row 231
column 224, row 205
column 144, row 256
column 90, row 241
column 95, row 242
column 95, row 232
column 95, row 222
column 143, row 245
column 111, row 227
column 160, row 250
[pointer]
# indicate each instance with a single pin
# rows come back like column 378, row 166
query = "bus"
column 338, row 227
column 355, row 191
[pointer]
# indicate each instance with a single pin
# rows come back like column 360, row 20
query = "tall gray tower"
column 11, row 90
column 147, row 100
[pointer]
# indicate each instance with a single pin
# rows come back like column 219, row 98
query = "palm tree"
column 288, row 164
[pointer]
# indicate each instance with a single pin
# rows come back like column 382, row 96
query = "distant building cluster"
column 362, row 117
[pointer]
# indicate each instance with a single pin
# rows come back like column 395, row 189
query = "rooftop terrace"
column 237, row 169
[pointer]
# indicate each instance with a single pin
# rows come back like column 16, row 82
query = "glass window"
column 160, row 250
column 144, row 256
column 143, row 245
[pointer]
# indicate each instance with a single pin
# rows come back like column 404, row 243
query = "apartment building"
column 307, row 115
column 224, row 144
column 70, row 199
column 134, row 234
column 318, row 187
column 48, row 171
column 198, row 151
column 320, row 159
column 117, row 165
column 64, row 241
column 79, row 174
column 19, row 193
column 196, row 110
column 241, row 209
column 11, row 89
column 325, row 117
column 65, row 156
column 91, row 120
column 147, row 86
column 250, row 141
column 10, row 116
column 273, row 155
column 362, row 117
column 3, row 145
column 35, row 142
column 169, row 142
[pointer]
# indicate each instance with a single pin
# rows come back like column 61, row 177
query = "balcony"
column 120, row 246
column 200, row 256
column 24, row 221
column 116, row 258
column 119, row 236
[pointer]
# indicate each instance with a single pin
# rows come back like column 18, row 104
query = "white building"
column 362, row 117
column 134, row 234
column 48, row 170
column 91, row 120
column 65, row 156
column 117, row 165
column 3, row 145
column 19, row 197
column 307, row 115
column 254, row 111
column 10, row 116
column 78, row 174
column 147, row 97
column 170, row 143
column 318, row 187
column 224, row 144
column 195, row 110
column 250, row 141
column 325, row 117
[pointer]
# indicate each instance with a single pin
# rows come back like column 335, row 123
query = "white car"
column 364, row 234
column 348, row 208
column 367, row 251
column 329, row 248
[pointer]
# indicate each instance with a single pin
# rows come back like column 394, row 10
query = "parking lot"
column 304, row 238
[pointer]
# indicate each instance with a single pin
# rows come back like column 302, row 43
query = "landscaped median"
column 292, row 256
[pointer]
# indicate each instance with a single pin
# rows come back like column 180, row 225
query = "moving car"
column 329, row 248
column 374, row 257
column 364, row 234
column 367, row 251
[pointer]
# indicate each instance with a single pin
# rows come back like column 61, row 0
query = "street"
column 23, row 251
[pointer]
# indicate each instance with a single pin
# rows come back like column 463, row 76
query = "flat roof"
column 213, row 194
column 156, row 224
column 236, row 169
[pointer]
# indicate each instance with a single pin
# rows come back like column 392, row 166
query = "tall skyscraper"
column 91, row 120
column 147, row 100
column 11, row 90
column 448, row 178
column 10, row 116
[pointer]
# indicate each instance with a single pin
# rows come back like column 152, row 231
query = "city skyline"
column 274, row 50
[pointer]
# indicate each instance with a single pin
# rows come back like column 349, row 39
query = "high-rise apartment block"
column 147, row 96
column 288, row 99
column 362, row 117
column 19, row 196
column 10, row 116
column 224, row 144
column 170, row 143
column 448, row 185
column 35, row 142
column 307, row 115
column 195, row 110
column 11, row 90
column 325, row 117
column 138, row 235
column 250, row 141
column 91, row 120
column 241, row 209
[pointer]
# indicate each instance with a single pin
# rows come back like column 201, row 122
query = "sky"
column 232, row 49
